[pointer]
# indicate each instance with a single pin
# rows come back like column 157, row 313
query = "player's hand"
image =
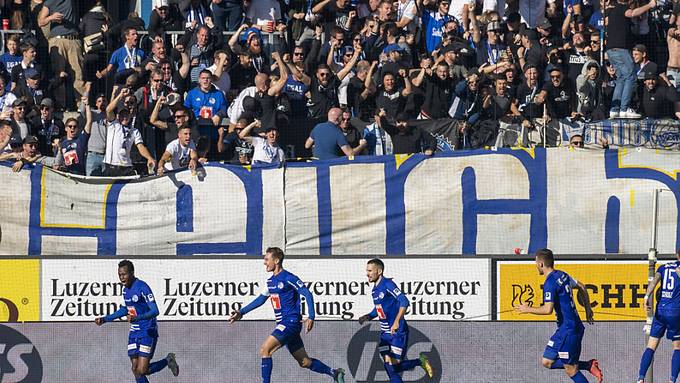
column 131, row 318
column 309, row 325
column 99, row 321
column 363, row 319
column 394, row 328
column 590, row 316
column 236, row 315
column 523, row 308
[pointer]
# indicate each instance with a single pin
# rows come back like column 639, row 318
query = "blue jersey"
column 558, row 290
column 124, row 58
column 138, row 300
column 433, row 24
column 388, row 299
column 670, row 287
column 283, row 290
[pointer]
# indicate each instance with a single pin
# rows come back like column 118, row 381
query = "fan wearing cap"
column 266, row 149
column 490, row 49
column 31, row 91
column 21, row 126
column 247, row 41
column 164, row 18
column 29, row 154
column 658, row 99
column 643, row 65
column 434, row 22
column 18, row 75
column 559, row 95
column 47, row 128
column 406, row 139
column 121, row 135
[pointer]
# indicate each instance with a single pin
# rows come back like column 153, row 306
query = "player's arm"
column 152, row 313
column 368, row 317
column 304, row 291
column 257, row 302
column 582, row 295
column 393, row 290
column 121, row 312
column 545, row 309
column 650, row 290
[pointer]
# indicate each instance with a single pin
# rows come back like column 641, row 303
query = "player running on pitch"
column 285, row 290
column 390, row 307
column 141, row 311
column 564, row 348
column 666, row 319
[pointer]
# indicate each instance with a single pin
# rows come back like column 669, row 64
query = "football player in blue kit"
column 389, row 307
column 284, row 290
column 564, row 348
column 141, row 311
column 666, row 318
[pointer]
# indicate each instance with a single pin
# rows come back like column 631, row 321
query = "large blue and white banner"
column 481, row 202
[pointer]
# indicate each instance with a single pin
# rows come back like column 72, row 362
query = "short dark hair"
column 546, row 256
column 127, row 263
column 377, row 262
column 128, row 29
column 276, row 252
column 205, row 71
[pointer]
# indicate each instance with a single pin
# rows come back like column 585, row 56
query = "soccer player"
column 667, row 317
column 141, row 311
column 564, row 348
column 285, row 290
column 390, row 307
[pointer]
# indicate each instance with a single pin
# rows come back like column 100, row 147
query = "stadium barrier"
column 463, row 202
column 63, row 344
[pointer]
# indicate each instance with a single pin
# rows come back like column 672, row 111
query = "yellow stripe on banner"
column 70, row 225
column 673, row 174
column 632, row 198
column 530, row 151
column 401, row 158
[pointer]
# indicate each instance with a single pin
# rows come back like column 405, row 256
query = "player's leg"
column 134, row 354
column 569, row 354
column 398, row 344
column 268, row 347
column 297, row 350
column 142, row 369
column 675, row 361
column 657, row 330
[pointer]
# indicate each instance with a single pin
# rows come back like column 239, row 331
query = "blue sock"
column 320, row 368
column 645, row 362
column 142, row 379
column 406, row 365
column 579, row 378
column 157, row 366
column 584, row 365
column 394, row 375
column 557, row 365
column 266, row 369
column 675, row 365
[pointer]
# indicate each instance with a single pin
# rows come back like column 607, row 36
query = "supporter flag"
column 445, row 130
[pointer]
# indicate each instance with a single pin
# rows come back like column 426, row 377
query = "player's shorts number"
column 276, row 302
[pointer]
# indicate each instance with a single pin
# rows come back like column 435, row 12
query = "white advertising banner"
column 463, row 202
column 437, row 289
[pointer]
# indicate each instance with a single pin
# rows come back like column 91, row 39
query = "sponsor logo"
column 280, row 285
column 19, row 360
column 366, row 365
column 616, row 289
column 19, row 291
column 135, row 298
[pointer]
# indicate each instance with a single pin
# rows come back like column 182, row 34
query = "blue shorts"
column 141, row 345
column 288, row 334
column 565, row 344
column 666, row 322
column 393, row 345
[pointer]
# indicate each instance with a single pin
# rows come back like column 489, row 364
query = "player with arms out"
column 564, row 348
column 284, row 290
column 141, row 311
column 390, row 307
column 666, row 319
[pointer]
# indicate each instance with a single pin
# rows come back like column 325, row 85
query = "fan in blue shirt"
column 666, row 319
column 390, row 306
column 564, row 347
column 141, row 311
column 284, row 290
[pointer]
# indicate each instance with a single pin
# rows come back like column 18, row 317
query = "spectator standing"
column 407, row 139
column 47, row 128
column 12, row 56
column 643, row 65
column 94, row 28
column 6, row 100
column 437, row 87
column 266, row 150
column 195, row 12
column 127, row 59
column 658, row 100
column 353, row 136
column 28, row 54
column 28, row 155
column 21, row 127
column 327, row 140
column 66, row 51
column 434, row 22
column 201, row 47
column 179, row 153
column 227, row 14
column 234, row 149
column 209, row 107
column 164, row 19
column 74, row 146
column 673, row 39
column 618, row 36
column 96, row 143
column 31, row 91
column 121, row 136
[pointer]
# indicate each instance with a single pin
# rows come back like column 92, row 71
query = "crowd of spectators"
column 259, row 81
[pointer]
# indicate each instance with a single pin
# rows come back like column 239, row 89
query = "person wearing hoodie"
column 589, row 92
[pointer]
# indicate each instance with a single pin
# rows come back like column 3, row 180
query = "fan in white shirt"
column 266, row 150
column 179, row 153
